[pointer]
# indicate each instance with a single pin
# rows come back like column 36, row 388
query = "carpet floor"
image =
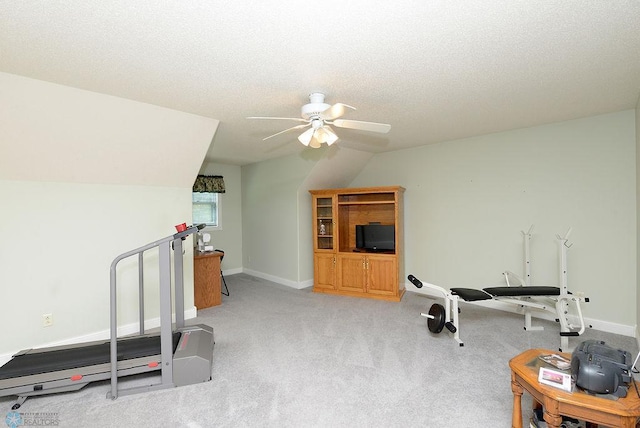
column 294, row 358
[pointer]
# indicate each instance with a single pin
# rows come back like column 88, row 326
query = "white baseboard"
column 231, row 271
column 600, row 325
column 278, row 280
column 124, row 330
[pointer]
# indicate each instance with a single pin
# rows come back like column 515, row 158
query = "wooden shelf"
column 366, row 203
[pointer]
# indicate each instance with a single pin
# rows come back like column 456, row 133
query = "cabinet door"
column 351, row 272
column 206, row 280
column 323, row 228
column 324, row 271
column 382, row 275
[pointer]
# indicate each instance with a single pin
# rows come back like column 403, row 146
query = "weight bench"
column 545, row 298
column 473, row 295
column 555, row 300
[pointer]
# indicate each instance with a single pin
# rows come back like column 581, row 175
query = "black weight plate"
column 436, row 323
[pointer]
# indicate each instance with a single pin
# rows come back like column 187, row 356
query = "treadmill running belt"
column 82, row 356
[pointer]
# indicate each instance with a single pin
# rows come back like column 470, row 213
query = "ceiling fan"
column 318, row 116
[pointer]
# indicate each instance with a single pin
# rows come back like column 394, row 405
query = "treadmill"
column 183, row 355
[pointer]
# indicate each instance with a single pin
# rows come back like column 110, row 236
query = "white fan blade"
column 306, row 136
column 287, row 130
column 299, row 119
column 382, row 128
column 335, row 111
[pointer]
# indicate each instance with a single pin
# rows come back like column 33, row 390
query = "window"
column 206, row 209
column 205, row 200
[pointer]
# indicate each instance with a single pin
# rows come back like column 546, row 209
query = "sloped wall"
column 55, row 133
column 85, row 177
column 336, row 169
column 276, row 210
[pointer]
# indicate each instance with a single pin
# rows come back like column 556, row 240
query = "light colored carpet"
column 294, row 358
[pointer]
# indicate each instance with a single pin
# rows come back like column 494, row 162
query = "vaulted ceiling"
column 435, row 70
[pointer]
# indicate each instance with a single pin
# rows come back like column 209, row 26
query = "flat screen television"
column 376, row 237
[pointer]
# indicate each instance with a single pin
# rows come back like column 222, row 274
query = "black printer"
column 600, row 369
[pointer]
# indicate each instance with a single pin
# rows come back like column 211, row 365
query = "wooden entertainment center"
column 340, row 267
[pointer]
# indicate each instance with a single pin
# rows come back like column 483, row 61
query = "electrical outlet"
column 47, row 320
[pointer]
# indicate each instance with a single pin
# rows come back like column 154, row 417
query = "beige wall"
column 229, row 236
column 85, row 177
column 335, row 169
column 637, row 333
column 467, row 201
column 60, row 241
column 276, row 210
column 271, row 220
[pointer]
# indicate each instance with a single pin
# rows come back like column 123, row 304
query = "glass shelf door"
column 324, row 223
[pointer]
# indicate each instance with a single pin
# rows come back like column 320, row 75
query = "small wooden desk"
column 557, row 403
column 206, row 279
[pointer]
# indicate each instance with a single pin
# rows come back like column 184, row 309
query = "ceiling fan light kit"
column 305, row 137
column 328, row 136
column 319, row 115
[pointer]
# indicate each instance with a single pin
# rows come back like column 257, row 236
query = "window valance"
column 209, row 184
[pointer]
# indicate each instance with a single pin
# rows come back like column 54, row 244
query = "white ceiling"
column 435, row 70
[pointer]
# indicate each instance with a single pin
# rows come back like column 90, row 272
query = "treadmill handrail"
column 165, row 298
column 190, row 230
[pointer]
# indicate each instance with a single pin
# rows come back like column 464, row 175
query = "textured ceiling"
column 435, row 70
